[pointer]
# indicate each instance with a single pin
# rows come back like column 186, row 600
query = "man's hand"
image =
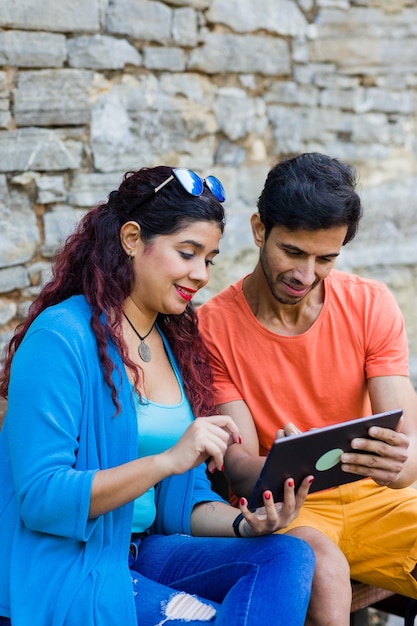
column 288, row 430
column 381, row 458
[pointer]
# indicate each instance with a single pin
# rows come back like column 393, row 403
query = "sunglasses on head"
column 190, row 181
column 194, row 185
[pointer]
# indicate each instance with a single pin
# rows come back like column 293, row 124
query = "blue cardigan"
column 57, row 566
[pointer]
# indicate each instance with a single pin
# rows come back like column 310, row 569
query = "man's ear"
column 258, row 230
column 130, row 238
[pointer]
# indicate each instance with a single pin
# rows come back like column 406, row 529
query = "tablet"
column 316, row 452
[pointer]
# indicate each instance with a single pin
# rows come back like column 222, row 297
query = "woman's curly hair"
column 93, row 263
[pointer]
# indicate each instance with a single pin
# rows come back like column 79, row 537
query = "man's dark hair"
column 311, row 192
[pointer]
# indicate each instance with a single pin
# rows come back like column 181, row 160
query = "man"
column 298, row 345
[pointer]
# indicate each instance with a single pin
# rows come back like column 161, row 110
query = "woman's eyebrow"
column 198, row 245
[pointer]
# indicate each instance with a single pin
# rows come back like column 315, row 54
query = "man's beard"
column 272, row 284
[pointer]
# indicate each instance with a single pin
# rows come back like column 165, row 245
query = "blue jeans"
column 245, row 582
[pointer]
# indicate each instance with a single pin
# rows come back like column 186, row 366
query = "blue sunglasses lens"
column 216, row 188
column 194, row 185
column 191, row 182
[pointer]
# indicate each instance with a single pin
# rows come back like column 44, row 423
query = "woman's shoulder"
column 68, row 321
column 74, row 311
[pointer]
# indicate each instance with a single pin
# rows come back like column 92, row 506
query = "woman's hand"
column 272, row 517
column 215, row 519
column 206, row 437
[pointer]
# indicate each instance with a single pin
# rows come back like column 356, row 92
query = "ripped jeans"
column 179, row 579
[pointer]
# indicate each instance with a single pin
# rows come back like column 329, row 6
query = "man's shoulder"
column 222, row 299
column 346, row 281
column 361, row 296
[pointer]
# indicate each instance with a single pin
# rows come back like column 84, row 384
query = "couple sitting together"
column 122, row 398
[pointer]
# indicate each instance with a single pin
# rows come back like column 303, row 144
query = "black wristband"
column 236, row 524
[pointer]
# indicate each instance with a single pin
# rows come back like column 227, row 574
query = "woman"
column 100, row 449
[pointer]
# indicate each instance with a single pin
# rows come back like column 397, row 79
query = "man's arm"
column 396, row 463
column 242, row 462
column 391, row 392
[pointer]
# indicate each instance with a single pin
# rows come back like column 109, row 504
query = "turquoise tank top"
column 159, row 428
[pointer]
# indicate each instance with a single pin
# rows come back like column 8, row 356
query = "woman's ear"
column 258, row 230
column 130, row 237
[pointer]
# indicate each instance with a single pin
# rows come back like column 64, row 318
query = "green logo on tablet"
column 328, row 460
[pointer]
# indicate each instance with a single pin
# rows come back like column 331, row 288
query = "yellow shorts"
column 375, row 527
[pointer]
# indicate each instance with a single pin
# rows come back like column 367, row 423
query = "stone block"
column 368, row 20
column 5, row 114
column 228, row 53
column 148, row 20
column 390, row 201
column 58, row 224
column 50, row 189
column 4, row 191
column 293, row 128
column 5, row 120
column 26, row 49
column 185, row 27
column 39, row 273
column 13, row 278
column 291, row 92
column 63, row 16
column 371, row 128
column 193, row 86
column 19, row 235
column 237, row 114
column 282, row 17
column 340, row 98
column 8, row 310
column 136, row 121
column 387, row 101
column 164, row 58
column 366, row 40
column 52, row 97
column 102, row 52
column 87, row 190
column 35, row 148
column 229, row 154
column 4, row 85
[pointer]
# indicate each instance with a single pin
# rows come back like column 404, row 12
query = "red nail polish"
column 310, row 480
column 240, row 439
column 290, row 483
column 242, row 501
column 267, row 495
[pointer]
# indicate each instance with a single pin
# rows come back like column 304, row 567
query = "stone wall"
column 92, row 88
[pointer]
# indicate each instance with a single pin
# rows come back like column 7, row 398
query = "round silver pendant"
column 144, row 352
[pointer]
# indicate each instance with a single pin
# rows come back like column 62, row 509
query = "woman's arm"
column 203, row 439
column 242, row 463
column 216, row 518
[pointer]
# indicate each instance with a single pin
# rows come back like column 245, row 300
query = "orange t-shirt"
column 313, row 379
